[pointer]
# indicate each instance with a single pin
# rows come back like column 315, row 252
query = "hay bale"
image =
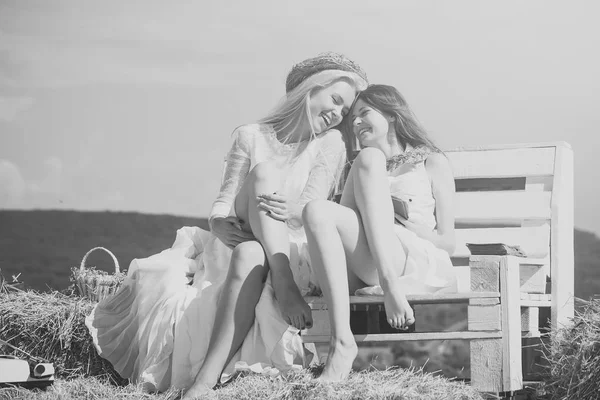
column 50, row 327
column 574, row 357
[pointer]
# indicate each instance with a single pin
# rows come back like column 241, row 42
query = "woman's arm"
column 236, row 169
column 226, row 228
column 443, row 188
column 323, row 174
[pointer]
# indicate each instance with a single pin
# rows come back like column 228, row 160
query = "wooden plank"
column 536, row 300
column 536, row 303
column 539, row 183
column 512, row 374
column 500, row 163
column 484, row 302
column 484, row 317
column 530, row 321
column 490, row 184
column 512, row 205
column 505, row 146
column 485, row 276
column 562, row 256
column 535, row 297
column 486, row 365
column 535, row 240
column 397, row 337
column 318, row 303
column 532, row 278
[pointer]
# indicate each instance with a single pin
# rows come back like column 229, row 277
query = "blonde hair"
column 294, row 107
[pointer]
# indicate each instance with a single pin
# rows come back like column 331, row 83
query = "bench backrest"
column 519, row 194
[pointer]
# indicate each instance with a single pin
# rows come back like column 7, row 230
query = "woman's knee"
column 247, row 257
column 371, row 159
column 266, row 171
column 316, row 213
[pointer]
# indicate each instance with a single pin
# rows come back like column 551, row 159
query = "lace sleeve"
column 325, row 173
column 236, row 170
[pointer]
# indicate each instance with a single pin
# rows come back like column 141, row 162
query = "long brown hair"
column 388, row 100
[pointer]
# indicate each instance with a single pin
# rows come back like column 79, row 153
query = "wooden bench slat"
column 510, row 205
column 396, row 337
column 536, row 300
column 500, row 163
column 318, row 303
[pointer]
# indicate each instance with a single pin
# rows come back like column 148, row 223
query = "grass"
column 391, row 384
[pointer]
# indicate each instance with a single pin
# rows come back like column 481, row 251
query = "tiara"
column 325, row 61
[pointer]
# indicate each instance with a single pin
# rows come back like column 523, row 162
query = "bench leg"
column 496, row 364
column 510, row 299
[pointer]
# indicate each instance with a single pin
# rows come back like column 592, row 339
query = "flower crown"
column 322, row 62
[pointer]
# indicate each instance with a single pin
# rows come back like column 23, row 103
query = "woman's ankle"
column 346, row 340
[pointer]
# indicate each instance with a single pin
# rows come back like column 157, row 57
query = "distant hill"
column 44, row 245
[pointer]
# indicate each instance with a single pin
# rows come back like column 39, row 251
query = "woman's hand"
column 278, row 207
column 229, row 231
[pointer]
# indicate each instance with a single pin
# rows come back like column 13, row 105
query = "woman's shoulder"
column 437, row 160
column 252, row 129
column 247, row 135
column 438, row 166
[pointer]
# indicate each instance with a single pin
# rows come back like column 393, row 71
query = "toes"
column 302, row 322
column 308, row 320
column 299, row 322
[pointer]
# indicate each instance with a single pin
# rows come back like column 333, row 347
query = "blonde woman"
column 245, row 303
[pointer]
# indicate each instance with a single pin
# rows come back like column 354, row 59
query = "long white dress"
column 428, row 268
column 156, row 329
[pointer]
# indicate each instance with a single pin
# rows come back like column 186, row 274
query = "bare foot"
column 399, row 313
column 199, row 390
column 339, row 362
column 292, row 305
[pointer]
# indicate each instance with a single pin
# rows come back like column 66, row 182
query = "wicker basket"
column 97, row 285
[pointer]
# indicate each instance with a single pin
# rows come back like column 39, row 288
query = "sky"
column 129, row 105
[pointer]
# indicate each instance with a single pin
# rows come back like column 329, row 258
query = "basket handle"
column 82, row 266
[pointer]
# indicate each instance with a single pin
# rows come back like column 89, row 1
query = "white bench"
column 519, row 194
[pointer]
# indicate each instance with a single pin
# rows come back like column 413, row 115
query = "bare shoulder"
column 439, row 169
column 438, row 163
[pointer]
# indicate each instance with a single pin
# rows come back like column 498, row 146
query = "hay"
column 574, row 357
column 50, row 327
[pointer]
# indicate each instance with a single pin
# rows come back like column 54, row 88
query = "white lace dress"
column 155, row 330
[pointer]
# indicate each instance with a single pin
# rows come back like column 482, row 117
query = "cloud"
column 11, row 106
column 18, row 192
column 12, row 185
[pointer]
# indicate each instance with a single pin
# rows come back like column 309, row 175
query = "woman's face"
column 328, row 106
column 369, row 125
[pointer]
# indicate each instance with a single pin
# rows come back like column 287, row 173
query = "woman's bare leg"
column 274, row 237
column 372, row 194
column 235, row 313
column 245, row 279
column 339, row 240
